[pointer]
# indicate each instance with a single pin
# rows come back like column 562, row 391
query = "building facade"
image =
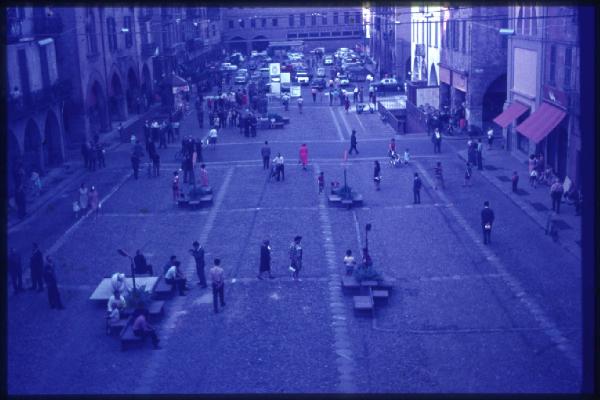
column 472, row 70
column 37, row 93
column 246, row 29
column 543, row 83
column 426, row 36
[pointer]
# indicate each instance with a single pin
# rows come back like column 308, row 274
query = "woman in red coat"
column 304, row 155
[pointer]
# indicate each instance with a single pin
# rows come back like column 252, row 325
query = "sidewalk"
column 57, row 179
column 498, row 167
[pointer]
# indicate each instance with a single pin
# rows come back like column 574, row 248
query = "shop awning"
column 514, row 111
column 541, row 122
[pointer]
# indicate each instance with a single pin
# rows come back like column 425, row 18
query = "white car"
column 302, row 78
column 328, row 60
column 344, row 81
column 228, row 67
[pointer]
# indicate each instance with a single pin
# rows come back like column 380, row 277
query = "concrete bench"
column 194, row 204
column 334, row 198
column 285, row 120
column 347, row 203
column 357, row 198
column 277, row 125
column 363, row 304
column 162, row 290
column 183, row 203
column 112, row 327
column 381, row 296
column 128, row 338
column 350, row 285
column 156, row 309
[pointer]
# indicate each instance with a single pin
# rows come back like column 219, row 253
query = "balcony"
column 47, row 25
column 38, row 100
column 148, row 50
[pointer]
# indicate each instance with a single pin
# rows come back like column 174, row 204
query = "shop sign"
column 459, row 82
column 555, row 96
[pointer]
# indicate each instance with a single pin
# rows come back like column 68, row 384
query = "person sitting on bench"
column 142, row 328
column 117, row 300
column 113, row 315
column 174, row 277
column 141, row 266
column 117, row 281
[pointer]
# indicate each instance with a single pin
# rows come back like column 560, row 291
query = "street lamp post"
column 125, row 254
column 367, row 229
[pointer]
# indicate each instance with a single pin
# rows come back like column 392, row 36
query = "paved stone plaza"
column 462, row 316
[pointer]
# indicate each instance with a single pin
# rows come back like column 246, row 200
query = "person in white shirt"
column 116, row 300
column 279, row 167
column 174, row 277
column 118, row 282
column 406, row 158
column 349, row 262
column 212, row 137
column 114, row 315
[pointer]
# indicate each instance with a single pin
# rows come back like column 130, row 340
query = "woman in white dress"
column 83, row 197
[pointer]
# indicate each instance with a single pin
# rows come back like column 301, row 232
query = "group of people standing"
column 88, row 200
column 93, row 153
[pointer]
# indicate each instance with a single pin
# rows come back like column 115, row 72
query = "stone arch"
column 260, row 43
column 52, row 144
column 32, row 147
column 433, row 79
column 133, row 92
column 238, row 43
column 97, row 108
column 116, row 99
column 493, row 100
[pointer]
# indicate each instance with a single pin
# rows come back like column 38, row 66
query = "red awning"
column 514, row 111
column 541, row 122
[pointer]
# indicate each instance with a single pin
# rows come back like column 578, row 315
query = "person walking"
column 487, row 220
column 50, row 278
column 83, row 197
column 218, row 284
column 303, row 153
column 377, row 175
column 279, row 167
column 346, row 104
column 321, row 182
column 300, row 104
column 468, row 173
column 175, row 186
column 556, row 194
column 93, row 201
column 101, row 152
column 436, row 138
column 417, row 184
column 265, row 260
column 155, row 164
column 15, row 270
column 479, row 155
column 490, row 137
column 313, row 92
column 212, row 137
column 515, row 181
column 197, row 252
column 296, row 258
column 36, row 265
column 439, row 176
column 353, row 142
column 265, row 152
column 136, row 156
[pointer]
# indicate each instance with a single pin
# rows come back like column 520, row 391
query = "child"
column 349, row 262
column 533, row 178
column 406, row 158
column 76, row 209
column 175, row 186
column 515, row 181
column 468, row 173
column 321, row 181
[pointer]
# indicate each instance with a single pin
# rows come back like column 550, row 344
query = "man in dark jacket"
column 36, row 265
column 198, row 253
column 15, row 269
column 417, row 189
column 265, row 152
column 265, row 260
column 487, row 220
column 141, row 265
column 50, row 278
column 137, row 154
column 353, row 142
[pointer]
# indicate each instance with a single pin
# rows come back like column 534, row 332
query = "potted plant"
column 139, row 298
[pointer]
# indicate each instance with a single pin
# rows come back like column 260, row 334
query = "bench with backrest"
column 163, row 290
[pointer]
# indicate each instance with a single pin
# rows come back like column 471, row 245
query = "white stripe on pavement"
column 337, row 126
column 343, row 119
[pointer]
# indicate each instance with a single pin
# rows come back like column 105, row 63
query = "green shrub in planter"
column 363, row 273
column 139, row 298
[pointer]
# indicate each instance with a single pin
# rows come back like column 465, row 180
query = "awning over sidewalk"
column 541, row 122
column 514, row 111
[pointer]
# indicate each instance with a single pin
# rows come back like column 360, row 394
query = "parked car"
column 348, row 90
column 241, row 77
column 228, row 67
column 302, row 77
column 344, row 81
column 328, row 60
column 387, row 85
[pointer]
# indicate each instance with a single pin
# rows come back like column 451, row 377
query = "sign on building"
column 295, row 91
column 285, row 77
column 274, row 69
column 275, row 87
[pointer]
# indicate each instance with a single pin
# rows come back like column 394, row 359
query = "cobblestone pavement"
column 462, row 317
